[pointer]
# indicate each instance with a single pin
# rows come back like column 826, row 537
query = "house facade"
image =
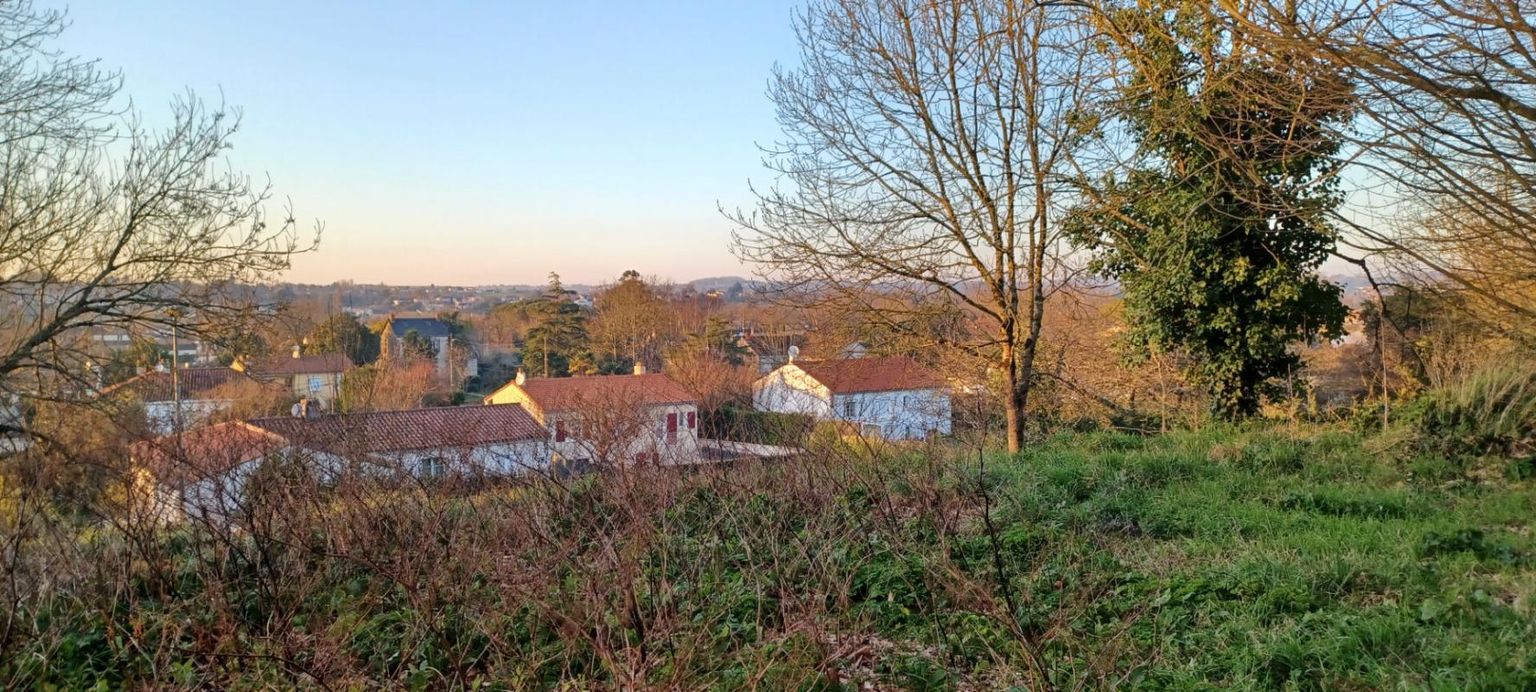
column 610, row 419
column 183, row 398
column 891, row 397
column 435, row 331
column 206, row 472
column 316, row 377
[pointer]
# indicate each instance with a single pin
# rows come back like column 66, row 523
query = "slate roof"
column 573, row 393
column 408, row 430
column 429, row 327
column 317, row 364
column 872, row 374
column 194, row 383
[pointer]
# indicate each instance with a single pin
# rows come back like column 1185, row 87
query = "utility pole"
column 175, row 367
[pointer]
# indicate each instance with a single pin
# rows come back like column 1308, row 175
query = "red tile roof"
column 573, row 393
column 873, row 374
column 408, row 430
column 194, row 383
column 206, row 452
column 316, row 364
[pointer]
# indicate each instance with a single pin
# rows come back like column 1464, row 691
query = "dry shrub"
column 838, row 568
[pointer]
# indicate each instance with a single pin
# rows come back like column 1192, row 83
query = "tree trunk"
column 1016, row 396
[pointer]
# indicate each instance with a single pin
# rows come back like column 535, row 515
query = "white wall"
column 650, row 437
column 899, row 415
column 160, row 415
column 790, row 390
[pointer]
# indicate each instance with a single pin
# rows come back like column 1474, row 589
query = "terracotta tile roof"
column 316, row 364
column 873, row 374
column 408, row 430
column 571, row 393
column 206, row 452
column 194, row 383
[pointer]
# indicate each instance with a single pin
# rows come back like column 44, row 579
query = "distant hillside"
column 722, row 283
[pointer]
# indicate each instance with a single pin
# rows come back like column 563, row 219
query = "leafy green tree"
column 1217, row 235
column 717, row 340
column 557, row 345
column 343, row 333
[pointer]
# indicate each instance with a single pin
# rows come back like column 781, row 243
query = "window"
column 693, row 419
column 671, row 427
column 559, row 431
column 432, row 467
column 850, row 409
column 316, row 383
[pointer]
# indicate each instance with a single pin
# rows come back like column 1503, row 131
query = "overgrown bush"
column 1491, row 412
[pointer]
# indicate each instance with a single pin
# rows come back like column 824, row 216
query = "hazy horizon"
column 480, row 143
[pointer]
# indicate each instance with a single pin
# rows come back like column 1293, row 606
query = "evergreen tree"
column 343, row 333
column 557, row 345
column 1217, row 238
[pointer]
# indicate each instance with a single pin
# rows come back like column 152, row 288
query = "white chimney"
column 522, row 377
column 297, row 350
column 639, row 368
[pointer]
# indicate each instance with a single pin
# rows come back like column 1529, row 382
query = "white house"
column 204, row 472
column 893, row 397
column 183, row 397
column 610, row 419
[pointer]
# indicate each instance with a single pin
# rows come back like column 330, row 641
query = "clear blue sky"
column 475, row 142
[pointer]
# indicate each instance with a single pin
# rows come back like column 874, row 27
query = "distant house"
column 436, row 331
column 893, row 397
column 316, row 377
column 610, row 419
column 768, row 352
column 200, row 392
column 205, row 472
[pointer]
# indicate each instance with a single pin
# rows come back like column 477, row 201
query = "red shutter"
column 559, row 431
column 671, row 427
column 692, row 419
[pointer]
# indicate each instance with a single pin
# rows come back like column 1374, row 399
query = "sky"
column 475, row 142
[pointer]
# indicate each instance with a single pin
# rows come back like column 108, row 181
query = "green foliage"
column 1491, row 412
column 415, row 345
column 1217, row 243
column 343, row 333
column 1225, row 558
column 557, row 345
column 716, row 340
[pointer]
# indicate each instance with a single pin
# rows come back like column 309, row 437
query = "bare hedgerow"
column 832, row 567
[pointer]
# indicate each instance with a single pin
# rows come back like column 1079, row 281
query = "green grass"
column 1273, row 560
column 1220, row 559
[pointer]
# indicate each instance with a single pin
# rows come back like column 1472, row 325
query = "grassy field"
column 1255, row 558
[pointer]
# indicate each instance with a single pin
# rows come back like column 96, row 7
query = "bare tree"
column 107, row 223
column 1445, row 164
column 925, row 143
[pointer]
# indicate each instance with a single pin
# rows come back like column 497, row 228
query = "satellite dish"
column 793, row 351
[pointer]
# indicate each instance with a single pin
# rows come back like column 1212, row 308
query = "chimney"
column 298, row 350
column 639, row 368
column 522, row 377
